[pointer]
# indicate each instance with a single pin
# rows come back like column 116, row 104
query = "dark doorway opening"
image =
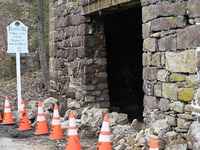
column 124, row 46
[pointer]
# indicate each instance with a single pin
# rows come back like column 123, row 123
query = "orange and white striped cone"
column 56, row 130
column 24, row 122
column 8, row 118
column 154, row 144
column 41, row 127
column 73, row 142
column 104, row 142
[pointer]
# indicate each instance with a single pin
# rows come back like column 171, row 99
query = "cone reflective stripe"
column 41, row 127
column 154, row 144
column 24, row 123
column 56, row 130
column 8, row 118
column 73, row 142
column 104, row 142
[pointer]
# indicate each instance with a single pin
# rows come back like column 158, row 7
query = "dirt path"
column 12, row 139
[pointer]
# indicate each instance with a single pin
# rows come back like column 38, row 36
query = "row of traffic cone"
column 73, row 142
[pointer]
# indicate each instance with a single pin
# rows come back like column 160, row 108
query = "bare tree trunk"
column 41, row 42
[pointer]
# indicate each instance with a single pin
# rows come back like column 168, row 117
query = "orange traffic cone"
column 24, row 123
column 56, row 130
column 104, row 142
column 8, row 118
column 73, row 142
column 1, row 117
column 41, row 127
column 154, row 144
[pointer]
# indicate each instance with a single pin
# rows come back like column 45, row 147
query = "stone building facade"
column 166, row 57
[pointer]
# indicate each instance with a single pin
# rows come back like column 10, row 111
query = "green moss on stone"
column 186, row 94
column 177, row 78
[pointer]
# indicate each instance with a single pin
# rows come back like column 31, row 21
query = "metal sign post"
column 17, row 36
column 19, row 95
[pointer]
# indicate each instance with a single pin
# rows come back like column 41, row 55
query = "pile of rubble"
column 124, row 135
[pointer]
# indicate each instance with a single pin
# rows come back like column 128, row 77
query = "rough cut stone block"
column 194, row 8
column 167, row 43
column 158, row 90
column 163, row 59
column 91, row 87
column 76, row 41
column 183, row 124
column 102, row 86
column 188, row 37
column 144, row 59
column 150, row 102
column 162, row 75
column 171, row 120
column 181, row 62
column 149, row 12
column 104, row 104
column 89, row 99
column 198, row 59
column 156, row 59
column 189, row 108
column 168, row 23
column 186, row 94
column 173, row 9
column 148, row 88
column 149, row 73
column 91, row 41
column 146, row 2
column 84, row 29
column 170, row 90
column 186, row 117
column 192, row 80
column 72, row 54
column 175, row 77
column 177, row 106
column 81, row 52
column 146, row 30
column 89, row 69
column 163, row 104
column 150, row 44
column 77, row 19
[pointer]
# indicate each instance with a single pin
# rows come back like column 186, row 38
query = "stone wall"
column 78, row 58
column 171, row 33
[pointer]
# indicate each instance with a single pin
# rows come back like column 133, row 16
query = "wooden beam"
column 107, row 5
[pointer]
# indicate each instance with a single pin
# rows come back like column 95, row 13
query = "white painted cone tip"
column 40, row 110
column 7, row 103
column 105, row 127
column 56, row 113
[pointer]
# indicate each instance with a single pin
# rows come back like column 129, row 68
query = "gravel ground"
column 10, row 137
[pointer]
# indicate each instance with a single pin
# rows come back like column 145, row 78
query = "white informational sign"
column 17, row 35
